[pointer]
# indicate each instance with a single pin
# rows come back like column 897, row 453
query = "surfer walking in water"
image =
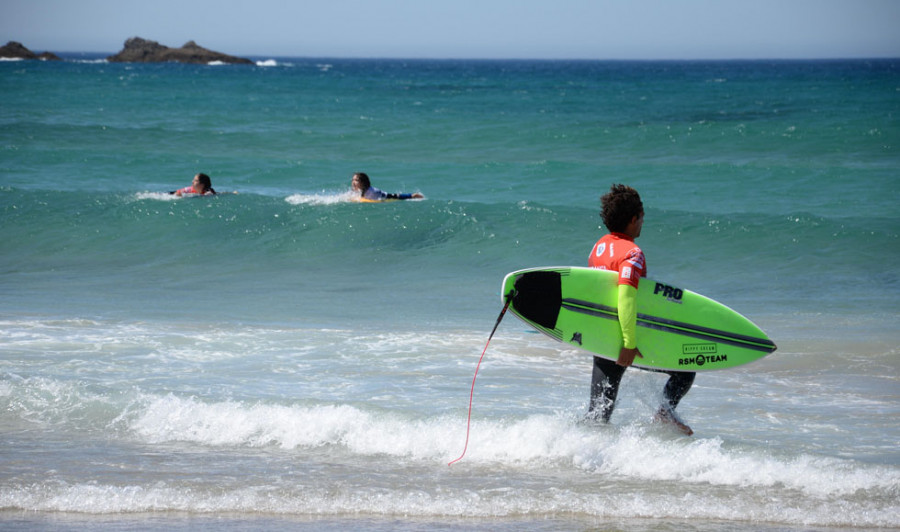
column 623, row 215
column 360, row 183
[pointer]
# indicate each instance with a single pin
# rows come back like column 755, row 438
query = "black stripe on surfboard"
column 672, row 326
column 556, row 334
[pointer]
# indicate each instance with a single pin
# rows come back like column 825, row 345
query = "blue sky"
column 537, row 29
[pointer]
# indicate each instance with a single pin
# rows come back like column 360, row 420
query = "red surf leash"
column 472, row 393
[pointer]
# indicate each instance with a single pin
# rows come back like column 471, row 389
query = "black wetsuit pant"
column 605, row 387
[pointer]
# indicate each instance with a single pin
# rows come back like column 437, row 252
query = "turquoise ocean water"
column 286, row 357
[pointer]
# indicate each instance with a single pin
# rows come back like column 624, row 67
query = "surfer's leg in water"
column 605, row 380
column 676, row 387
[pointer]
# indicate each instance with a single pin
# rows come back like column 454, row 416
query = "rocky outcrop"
column 15, row 50
column 138, row 50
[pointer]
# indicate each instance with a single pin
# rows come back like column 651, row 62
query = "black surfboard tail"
column 537, row 296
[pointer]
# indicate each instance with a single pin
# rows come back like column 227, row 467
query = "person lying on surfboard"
column 202, row 186
column 367, row 192
column 623, row 215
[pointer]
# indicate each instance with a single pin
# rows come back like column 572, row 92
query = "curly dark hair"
column 620, row 205
column 364, row 182
column 206, row 182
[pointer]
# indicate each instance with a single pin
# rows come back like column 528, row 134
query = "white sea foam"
column 162, row 196
column 323, row 198
column 635, row 471
column 448, row 502
column 300, row 412
column 267, row 63
column 634, row 453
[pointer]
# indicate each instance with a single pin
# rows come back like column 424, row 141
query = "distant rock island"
column 15, row 50
column 138, row 50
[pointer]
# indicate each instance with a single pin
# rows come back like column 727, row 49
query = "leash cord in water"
column 472, row 392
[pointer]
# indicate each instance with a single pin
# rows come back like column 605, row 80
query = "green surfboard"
column 676, row 329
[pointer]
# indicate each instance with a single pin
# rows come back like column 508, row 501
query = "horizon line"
column 500, row 58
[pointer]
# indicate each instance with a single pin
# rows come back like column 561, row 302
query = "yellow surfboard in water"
column 366, row 200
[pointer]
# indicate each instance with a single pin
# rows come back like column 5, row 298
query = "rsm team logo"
column 700, row 354
column 669, row 292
